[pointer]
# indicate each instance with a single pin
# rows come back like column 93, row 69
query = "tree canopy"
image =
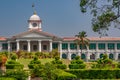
column 105, row 13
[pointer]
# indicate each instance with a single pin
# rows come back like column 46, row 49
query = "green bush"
column 32, row 66
column 18, row 74
column 62, row 75
column 35, row 62
column 77, row 62
column 14, row 66
column 77, row 66
column 96, row 73
column 13, row 57
column 61, row 66
column 118, row 65
column 12, row 62
column 6, row 78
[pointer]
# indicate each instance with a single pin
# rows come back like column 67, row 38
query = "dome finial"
column 34, row 11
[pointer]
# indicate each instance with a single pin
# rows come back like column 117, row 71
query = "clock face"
column 34, row 24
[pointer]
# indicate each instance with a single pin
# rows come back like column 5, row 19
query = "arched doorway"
column 83, row 56
column 92, row 56
column 101, row 55
column 118, row 56
column 111, row 56
column 64, row 56
column 73, row 56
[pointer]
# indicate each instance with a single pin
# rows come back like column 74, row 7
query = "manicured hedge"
column 61, row 66
column 62, row 75
column 5, row 78
column 77, row 66
column 31, row 66
column 95, row 73
column 14, row 66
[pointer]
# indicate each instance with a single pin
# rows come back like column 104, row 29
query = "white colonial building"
column 34, row 39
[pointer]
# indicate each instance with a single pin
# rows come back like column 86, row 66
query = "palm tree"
column 81, row 39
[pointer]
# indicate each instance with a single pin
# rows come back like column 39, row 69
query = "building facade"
column 34, row 39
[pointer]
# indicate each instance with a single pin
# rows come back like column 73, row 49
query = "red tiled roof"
column 94, row 38
column 2, row 38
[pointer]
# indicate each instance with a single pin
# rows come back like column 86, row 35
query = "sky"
column 60, row 17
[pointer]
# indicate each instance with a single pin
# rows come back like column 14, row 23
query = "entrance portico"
column 33, row 45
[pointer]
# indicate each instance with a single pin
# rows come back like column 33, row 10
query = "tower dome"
column 34, row 17
column 34, row 22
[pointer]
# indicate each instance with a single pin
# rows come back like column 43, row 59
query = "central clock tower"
column 35, row 22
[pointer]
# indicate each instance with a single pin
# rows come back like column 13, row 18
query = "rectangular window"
column 24, row 47
column 35, row 48
column 64, row 45
column 4, row 46
column 44, row 47
column 83, row 47
column 92, row 46
column 55, row 45
column 118, row 45
column 13, row 46
column 73, row 46
column 111, row 46
column 101, row 45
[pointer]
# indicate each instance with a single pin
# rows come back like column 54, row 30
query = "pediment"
column 32, row 35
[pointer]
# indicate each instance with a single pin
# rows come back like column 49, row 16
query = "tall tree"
column 105, row 13
column 81, row 39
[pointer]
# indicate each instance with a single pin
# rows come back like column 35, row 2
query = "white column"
column 97, row 56
column 18, row 45
column 28, row 45
column 69, row 56
column 78, row 50
column 50, row 45
column 0, row 46
column 8, row 46
column 68, row 47
column 116, row 56
column 60, row 48
column 97, row 47
column 39, row 43
column 115, row 47
column 87, row 56
column 69, row 53
column 106, row 47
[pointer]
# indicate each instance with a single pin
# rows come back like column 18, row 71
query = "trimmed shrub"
column 77, row 62
column 13, row 57
column 35, row 62
column 14, row 66
column 32, row 66
column 18, row 74
column 62, row 75
column 95, row 73
column 61, row 66
column 77, row 66
column 5, row 78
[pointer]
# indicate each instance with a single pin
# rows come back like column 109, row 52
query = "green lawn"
column 27, row 61
column 43, row 61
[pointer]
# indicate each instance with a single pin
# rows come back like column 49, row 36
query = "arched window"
column 64, row 56
column 101, row 55
column 92, row 56
column 119, row 56
column 73, row 56
column 83, row 56
column 110, row 56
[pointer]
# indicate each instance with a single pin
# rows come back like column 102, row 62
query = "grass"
column 25, row 62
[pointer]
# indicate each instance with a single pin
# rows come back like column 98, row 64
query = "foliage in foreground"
column 18, row 74
column 77, row 63
column 96, row 73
